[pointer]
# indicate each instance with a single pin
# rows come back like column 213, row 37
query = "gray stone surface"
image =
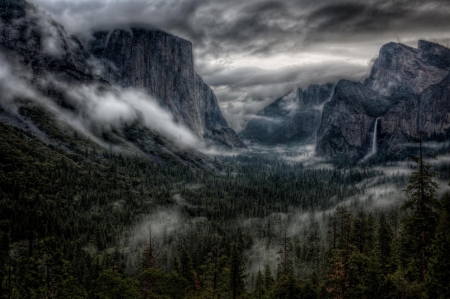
column 408, row 91
column 42, row 54
column 163, row 65
column 401, row 69
column 348, row 120
column 293, row 118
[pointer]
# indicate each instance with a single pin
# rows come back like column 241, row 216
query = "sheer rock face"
column 292, row 118
column 428, row 112
column 400, row 69
column 41, row 44
column 48, row 61
column 348, row 120
column 163, row 65
column 407, row 91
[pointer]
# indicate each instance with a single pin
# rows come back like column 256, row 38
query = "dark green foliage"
column 237, row 276
column 112, row 285
column 287, row 287
column 68, row 211
column 186, row 268
column 259, row 289
column 384, row 245
column 439, row 278
column 158, row 284
column 420, row 223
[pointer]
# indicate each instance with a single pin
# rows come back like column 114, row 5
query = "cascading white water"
column 374, row 142
column 374, row 138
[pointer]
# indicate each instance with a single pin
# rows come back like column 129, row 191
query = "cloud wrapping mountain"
column 269, row 46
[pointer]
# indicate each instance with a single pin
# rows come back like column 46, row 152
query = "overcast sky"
column 252, row 52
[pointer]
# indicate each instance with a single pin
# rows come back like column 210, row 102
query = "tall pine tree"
column 422, row 204
column 439, row 278
column 237, row 275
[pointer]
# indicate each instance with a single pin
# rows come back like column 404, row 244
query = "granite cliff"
column 400, row 69
column 293, row 118
column 163, row 65
column 50, row 84
column 407, row 92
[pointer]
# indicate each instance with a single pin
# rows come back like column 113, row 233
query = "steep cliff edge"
column 428, row 112
column 400, row 69
column 50, row 91
column 407, row 92
column 348, row 120
column 293, row 118
column 41, row 44
column 163, row 65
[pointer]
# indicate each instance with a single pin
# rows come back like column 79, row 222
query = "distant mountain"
column 407, row 92
column 293, row 118
column 58, row 92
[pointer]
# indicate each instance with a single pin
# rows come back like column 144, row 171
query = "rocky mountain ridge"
column 407, row 91
column 293, row 118
column 163, row 65
column 400, row 69
column 61, row 91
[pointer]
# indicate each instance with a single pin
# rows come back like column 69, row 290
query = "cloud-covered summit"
column 252, row 52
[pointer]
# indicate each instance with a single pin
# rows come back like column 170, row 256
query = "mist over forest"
column 238, row 149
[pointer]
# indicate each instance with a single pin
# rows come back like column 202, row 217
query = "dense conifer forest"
column 81, row 221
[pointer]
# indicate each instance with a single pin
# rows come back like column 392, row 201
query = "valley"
column 120, row 176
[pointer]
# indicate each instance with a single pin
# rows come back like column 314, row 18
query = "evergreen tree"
column 214, row 274
column 258, row 289
column 422, row 204
column 384, row 243
column 4, row 256
column 111, row 285
column 337, row 281
column 362, row 234
column 268, row 279
column 287, row 287
column 286, row 266
column 439, row 278
column 186, row 268
column 148, row 267
column 237, row 276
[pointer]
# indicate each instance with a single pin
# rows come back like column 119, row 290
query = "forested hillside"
column 120, row 177
column 80, row 221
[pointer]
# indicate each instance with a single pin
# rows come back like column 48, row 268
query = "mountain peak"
column 435, row 54
column 406, row 92
column 292, row 118
column 424, row 45
column 163, row 65
column 402, row 69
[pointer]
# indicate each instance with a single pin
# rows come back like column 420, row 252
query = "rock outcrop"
column 400, row 69
column 428, row 112
column 42, row 44
column 407, row 92
column 163, row 65
column 293, row 118
column 53, row 68
column 348, row 118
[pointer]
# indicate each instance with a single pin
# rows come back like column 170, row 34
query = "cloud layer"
column 252, row 52
column 95, row 107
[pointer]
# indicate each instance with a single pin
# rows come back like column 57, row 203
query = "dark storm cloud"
column 381, row 17
column 256, row 27
column 301, row 75
column 237, row 43
column 244, row 92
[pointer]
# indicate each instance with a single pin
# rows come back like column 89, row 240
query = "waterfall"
column 374, row 142
column 374, row 138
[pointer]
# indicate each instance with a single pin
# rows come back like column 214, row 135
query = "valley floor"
column 85, row 222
